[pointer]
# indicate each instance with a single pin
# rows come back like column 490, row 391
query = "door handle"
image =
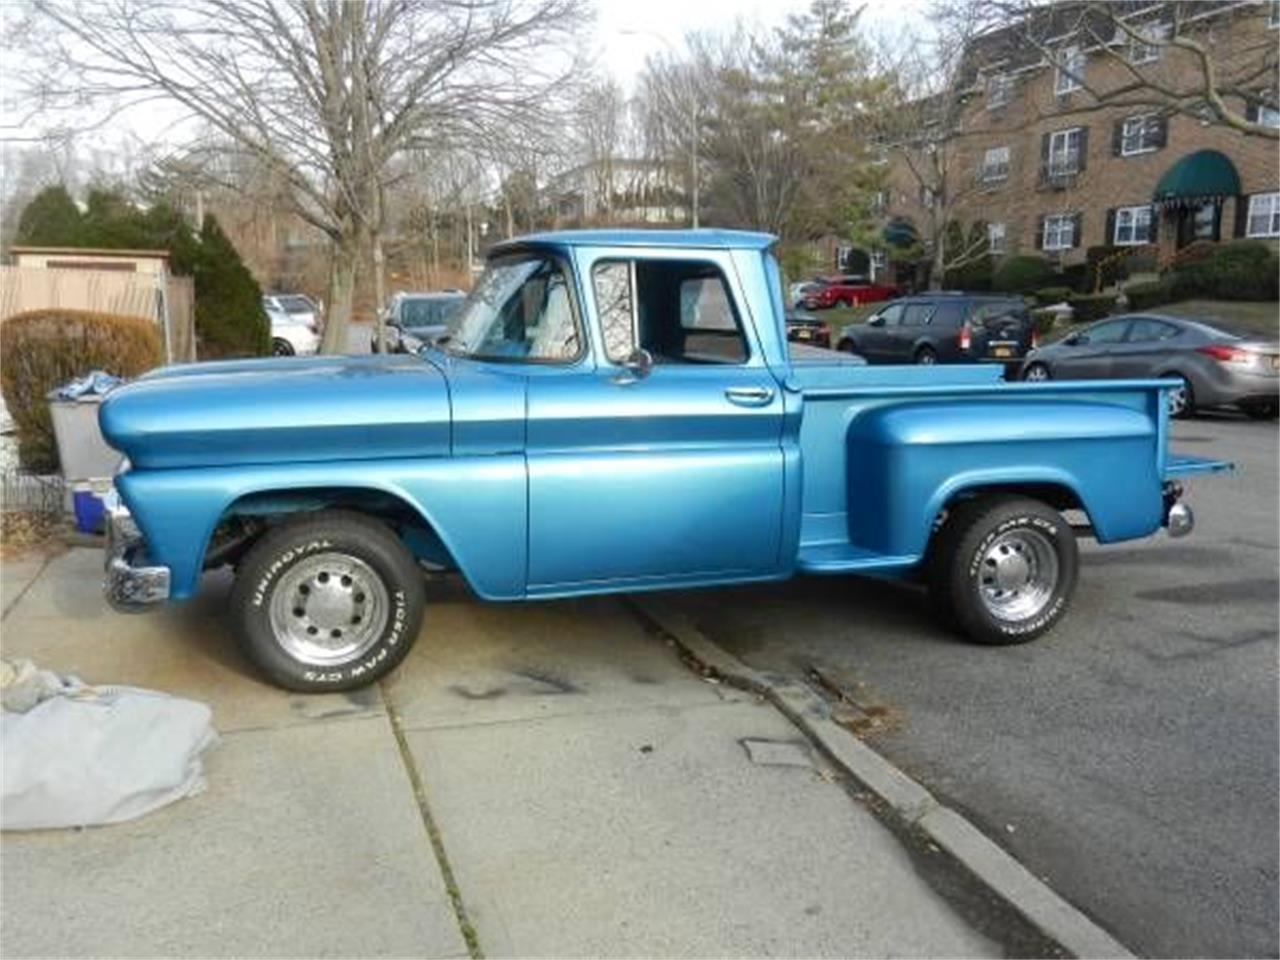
column 749, row 396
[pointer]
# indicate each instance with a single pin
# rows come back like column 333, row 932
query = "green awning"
column 1203, row 175
column 900, row 232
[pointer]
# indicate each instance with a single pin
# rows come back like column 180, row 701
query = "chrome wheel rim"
column 1018, row 575
column 329, row 609
column 927, row 358
column 1178, row 399
column 1037, row 373
column 279, row 349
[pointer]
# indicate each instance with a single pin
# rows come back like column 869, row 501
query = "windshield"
column 518, row 311
column 428, row 311
column 297, row 304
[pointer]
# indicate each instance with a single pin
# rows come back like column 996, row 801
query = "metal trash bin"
column 88, row 464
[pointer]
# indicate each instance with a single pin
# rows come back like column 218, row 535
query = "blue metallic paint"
column 546, row 480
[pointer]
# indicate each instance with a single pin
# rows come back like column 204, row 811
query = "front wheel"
column 1036, row 373
column 1182, row 399
column 1003, row 569
column 281, row 347
column 328, row 601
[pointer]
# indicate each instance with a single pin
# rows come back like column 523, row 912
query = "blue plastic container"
column 88, row 509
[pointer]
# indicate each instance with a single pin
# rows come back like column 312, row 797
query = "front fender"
column 910, row 460
column 477, row 506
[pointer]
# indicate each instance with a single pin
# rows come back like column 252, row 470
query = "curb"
column 1008, row 879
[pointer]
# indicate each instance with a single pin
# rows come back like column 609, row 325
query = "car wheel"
column 1036, row 372
column 811, row 305
column 1261, row 410
column 926, row 356
column 281, row 347
column 328, row 601
column 1003, row 569
column 846, row 346
column 1182, row 399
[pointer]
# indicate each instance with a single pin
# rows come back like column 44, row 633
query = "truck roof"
column 698, row 239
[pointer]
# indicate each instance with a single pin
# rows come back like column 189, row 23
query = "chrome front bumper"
column 130, row 585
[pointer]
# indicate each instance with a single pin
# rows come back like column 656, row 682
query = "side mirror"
column 876, row 321
column 636, row 367
column 1075, row 339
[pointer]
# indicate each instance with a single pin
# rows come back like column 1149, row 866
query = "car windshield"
column 519, row 310
column 296, row 304
column 419, row 312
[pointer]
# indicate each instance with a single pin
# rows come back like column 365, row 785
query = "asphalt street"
column 1130, row 757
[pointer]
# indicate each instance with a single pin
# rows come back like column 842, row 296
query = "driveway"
column 547, row 780
column 1130, row 758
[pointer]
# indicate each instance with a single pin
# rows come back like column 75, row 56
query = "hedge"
column 1149, row 293
column 42, row 349
column 1087, row 307
column 1022, row 274
column 1050, row 295
column 1245, row 270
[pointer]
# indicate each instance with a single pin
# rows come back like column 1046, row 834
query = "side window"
column 892, row 315
column 948, row 315
column 1108, row 332
column 916, row 314
column 681, row 311
column 1145, row 331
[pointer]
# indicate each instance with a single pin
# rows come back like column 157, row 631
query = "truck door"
column 661, row 466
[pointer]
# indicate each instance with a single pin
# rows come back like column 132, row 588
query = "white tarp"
column 73, row 755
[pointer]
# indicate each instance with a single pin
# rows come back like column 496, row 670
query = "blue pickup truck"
column 615, row 411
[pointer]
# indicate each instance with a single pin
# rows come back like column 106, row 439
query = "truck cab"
column 616, row 411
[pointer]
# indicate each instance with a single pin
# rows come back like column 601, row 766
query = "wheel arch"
column 1059, row 491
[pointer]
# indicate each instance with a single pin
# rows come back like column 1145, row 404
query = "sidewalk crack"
column 433, row 830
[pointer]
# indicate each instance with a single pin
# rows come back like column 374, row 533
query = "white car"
column 291, row 334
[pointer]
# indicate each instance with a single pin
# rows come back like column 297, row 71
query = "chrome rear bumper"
column 130, row 584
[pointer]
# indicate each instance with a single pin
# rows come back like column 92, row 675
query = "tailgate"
column 1180, row 465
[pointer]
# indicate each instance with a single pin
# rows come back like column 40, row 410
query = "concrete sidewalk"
column 546, row 779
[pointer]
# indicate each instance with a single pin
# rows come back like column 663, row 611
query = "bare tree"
column 324, row 94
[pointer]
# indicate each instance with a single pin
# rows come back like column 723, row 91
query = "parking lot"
column 1130, row 757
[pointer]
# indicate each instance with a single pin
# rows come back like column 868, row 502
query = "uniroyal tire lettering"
column 293, row 553
column 1044, row 616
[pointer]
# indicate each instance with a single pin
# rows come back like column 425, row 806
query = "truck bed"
column 910, row 438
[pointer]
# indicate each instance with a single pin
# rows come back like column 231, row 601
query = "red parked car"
column 849, row 291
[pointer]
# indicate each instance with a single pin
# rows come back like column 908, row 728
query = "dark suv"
column 944, row 327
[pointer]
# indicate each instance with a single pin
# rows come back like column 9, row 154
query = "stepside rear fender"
column 907, row 461
column 477, row 506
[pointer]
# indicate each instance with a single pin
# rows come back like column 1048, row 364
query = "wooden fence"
column 106, row 291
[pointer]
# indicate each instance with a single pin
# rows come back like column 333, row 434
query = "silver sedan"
column 1214, row 366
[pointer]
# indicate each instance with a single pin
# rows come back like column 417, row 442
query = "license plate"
column 1002, row 351
column 804, row 334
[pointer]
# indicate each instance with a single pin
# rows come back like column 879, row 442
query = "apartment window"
column 1269, row 116
column 1140, row 134
column 1147, row 49
column 1133, row 226
column 1264, row 215
column 995, row 238
column 995, row 164
column 1273, row 19
column 1064, row 151
column 926, row 196
column 1059, row 232
column 999, row 90
column 879, row 202
column 1070, row 71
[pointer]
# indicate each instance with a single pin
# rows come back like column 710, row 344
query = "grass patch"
column 1244, row 316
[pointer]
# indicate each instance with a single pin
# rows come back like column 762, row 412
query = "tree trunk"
column 343, row 261
column 379, row 292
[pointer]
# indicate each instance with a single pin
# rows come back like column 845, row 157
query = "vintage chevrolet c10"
column 615, row 411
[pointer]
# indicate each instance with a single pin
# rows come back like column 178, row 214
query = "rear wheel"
column 1036, row 372
column 926, row 356
column 1182, row 399
column 328, row 601
column 1003, row 569
column 281, row 347
column 846, row 346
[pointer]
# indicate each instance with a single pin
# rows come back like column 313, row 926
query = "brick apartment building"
column 1053, row 172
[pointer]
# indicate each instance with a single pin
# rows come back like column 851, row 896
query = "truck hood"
column 280, row 410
